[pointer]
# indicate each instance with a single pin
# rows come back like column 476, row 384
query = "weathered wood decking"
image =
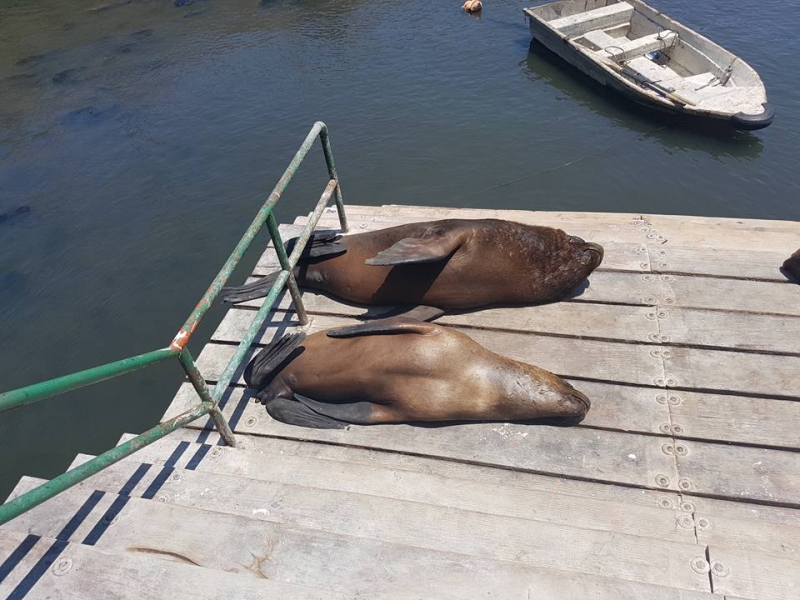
column 682, row 483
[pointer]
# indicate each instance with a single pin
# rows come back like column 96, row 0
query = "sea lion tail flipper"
column 350, row 412
column 297, row 413
column 382, row 326
column 250, row 291
column 321, row 244
column 257, row 372
column 435, row 245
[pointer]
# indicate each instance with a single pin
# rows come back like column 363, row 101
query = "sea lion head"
column 570, row 262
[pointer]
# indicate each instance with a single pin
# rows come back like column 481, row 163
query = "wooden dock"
column 682, row 483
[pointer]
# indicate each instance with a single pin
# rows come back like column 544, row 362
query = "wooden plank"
column 604, row 321
column 426, row 488
column 650, row 289
column 619, row 407
column 725, row 294
column 684, row 414
column 742, row 510
column 738, row 331
column 539, row 544
column 357, row 567
column 746, row 574
column 739, row 419
column 668, row 324
column 650, row 254
column 575, row 452
column 739, row 472
column 748, row 373
column 83, row 572
column 687, row 368
column 619, row 255
column 749, row 264
column 599, row 18
column 758, row 536
column 608, row 361
column 272, row 449
column 738, row 296
column 654, row 229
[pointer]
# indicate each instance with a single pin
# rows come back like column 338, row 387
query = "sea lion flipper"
column 297, row 413
column 435, row 245
column 420, row 312
column 321, row 244
column 350, row 412
column 256, row 374
column 250, row 291
column 382, row 326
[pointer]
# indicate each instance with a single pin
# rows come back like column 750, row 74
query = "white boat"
column 633, row 48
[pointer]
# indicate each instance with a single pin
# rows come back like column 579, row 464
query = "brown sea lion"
column 455, row 264
column 402, row 370
column 791, row 266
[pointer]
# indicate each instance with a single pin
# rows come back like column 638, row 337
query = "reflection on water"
column 674, row 132
column 138, row 138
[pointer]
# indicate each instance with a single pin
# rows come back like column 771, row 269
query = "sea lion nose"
column 577, row 402
column 596, row 249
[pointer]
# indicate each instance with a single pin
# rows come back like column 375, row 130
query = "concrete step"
column 449, row 554
column 39, row 568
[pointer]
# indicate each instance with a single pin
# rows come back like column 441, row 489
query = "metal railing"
column 209, row 400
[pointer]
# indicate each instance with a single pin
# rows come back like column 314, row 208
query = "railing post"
column 291, row 283
column 326, row 148
column 188, row 364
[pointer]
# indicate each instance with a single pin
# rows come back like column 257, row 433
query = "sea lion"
column 402, row 370
column 791, row 266
column 455, row 264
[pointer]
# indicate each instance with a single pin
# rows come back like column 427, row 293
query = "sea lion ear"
column 435, row 244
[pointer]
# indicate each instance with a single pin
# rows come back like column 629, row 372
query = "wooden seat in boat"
column 622, row 49
column 599, row 18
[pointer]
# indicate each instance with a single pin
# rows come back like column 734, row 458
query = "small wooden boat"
column 635, row 49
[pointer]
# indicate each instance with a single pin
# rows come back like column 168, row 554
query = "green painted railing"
column 209, row 400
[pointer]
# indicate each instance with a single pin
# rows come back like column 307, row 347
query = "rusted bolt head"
column 662, row 480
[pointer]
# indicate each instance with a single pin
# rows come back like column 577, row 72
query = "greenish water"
column 144, row 135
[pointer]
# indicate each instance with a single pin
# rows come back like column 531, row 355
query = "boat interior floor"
column 645, row 55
